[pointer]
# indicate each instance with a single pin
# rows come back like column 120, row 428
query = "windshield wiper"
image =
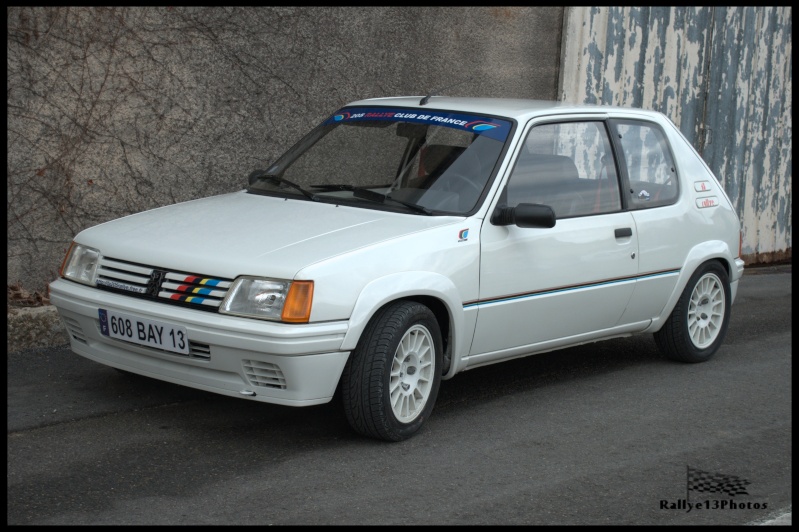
column 358, row 192
column 371, row 195
column 413, row 206
column 278, row 179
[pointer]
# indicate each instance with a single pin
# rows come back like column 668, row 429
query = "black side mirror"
column 524, row 215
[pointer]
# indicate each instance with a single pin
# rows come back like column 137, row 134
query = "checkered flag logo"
column 705, row 482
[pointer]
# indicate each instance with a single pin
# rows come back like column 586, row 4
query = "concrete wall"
column 116, row 110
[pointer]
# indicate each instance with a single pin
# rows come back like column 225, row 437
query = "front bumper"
column 294, row 365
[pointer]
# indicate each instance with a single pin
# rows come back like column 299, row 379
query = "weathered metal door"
column 722, row 74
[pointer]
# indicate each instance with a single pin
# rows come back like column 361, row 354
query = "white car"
column 405, row 240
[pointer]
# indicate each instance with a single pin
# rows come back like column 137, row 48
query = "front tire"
column 696, row 327
column 391, row 379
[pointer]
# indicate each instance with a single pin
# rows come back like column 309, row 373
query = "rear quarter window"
column 651, row 173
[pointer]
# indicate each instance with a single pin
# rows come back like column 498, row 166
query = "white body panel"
column 244, row 234
column 533, row 291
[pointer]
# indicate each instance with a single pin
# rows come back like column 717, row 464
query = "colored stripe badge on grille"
column 190, row 299
column 194, row 289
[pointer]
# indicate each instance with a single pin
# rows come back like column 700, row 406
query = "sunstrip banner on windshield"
column 490, row 127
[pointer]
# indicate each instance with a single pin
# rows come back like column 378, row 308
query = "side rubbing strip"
column 553, row 290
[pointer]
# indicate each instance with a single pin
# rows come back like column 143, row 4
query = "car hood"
column 247, row 234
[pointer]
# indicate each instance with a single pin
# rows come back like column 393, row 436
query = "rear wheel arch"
column 698, row 257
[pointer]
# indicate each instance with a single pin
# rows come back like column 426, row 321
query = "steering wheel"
column 451, row 178
column 456, row 188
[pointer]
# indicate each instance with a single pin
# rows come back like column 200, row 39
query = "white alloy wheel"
column 706, row 310
column 412, row 373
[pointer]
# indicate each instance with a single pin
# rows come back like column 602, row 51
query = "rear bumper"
column 737, row 274
column 294, row 365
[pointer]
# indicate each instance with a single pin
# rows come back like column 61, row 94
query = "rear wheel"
column 697, row 325
column 391, row 380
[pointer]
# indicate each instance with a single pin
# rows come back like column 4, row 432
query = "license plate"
column 150, row 333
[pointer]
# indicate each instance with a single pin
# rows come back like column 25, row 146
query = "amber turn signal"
column 297, row 308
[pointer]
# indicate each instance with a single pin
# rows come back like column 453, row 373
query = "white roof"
column 519, row 109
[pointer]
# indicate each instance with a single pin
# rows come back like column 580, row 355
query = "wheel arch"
column 696, row 328
column 435, row 291
column 712, row 251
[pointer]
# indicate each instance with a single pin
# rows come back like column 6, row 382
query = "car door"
column 545, row 287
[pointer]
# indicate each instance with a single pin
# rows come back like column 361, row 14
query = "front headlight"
column 269, row 299
column 80, row 264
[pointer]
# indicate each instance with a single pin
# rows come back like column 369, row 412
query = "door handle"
column 624, row 231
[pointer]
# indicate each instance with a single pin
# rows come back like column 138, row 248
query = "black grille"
column 185, row 289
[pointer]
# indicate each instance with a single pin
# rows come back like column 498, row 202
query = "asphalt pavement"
column 597, row 434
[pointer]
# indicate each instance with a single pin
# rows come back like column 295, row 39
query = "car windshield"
column 427, row 162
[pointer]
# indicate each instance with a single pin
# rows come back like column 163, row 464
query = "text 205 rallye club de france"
column 405, row 240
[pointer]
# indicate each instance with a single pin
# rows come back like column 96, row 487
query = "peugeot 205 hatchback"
column 405, row 240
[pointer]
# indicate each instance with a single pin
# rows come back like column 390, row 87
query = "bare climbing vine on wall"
column 84, row 123
column 114, row 110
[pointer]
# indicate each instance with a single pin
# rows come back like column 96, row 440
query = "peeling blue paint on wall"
column 724, row 77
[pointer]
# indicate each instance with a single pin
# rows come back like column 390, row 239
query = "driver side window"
column 568, row 166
